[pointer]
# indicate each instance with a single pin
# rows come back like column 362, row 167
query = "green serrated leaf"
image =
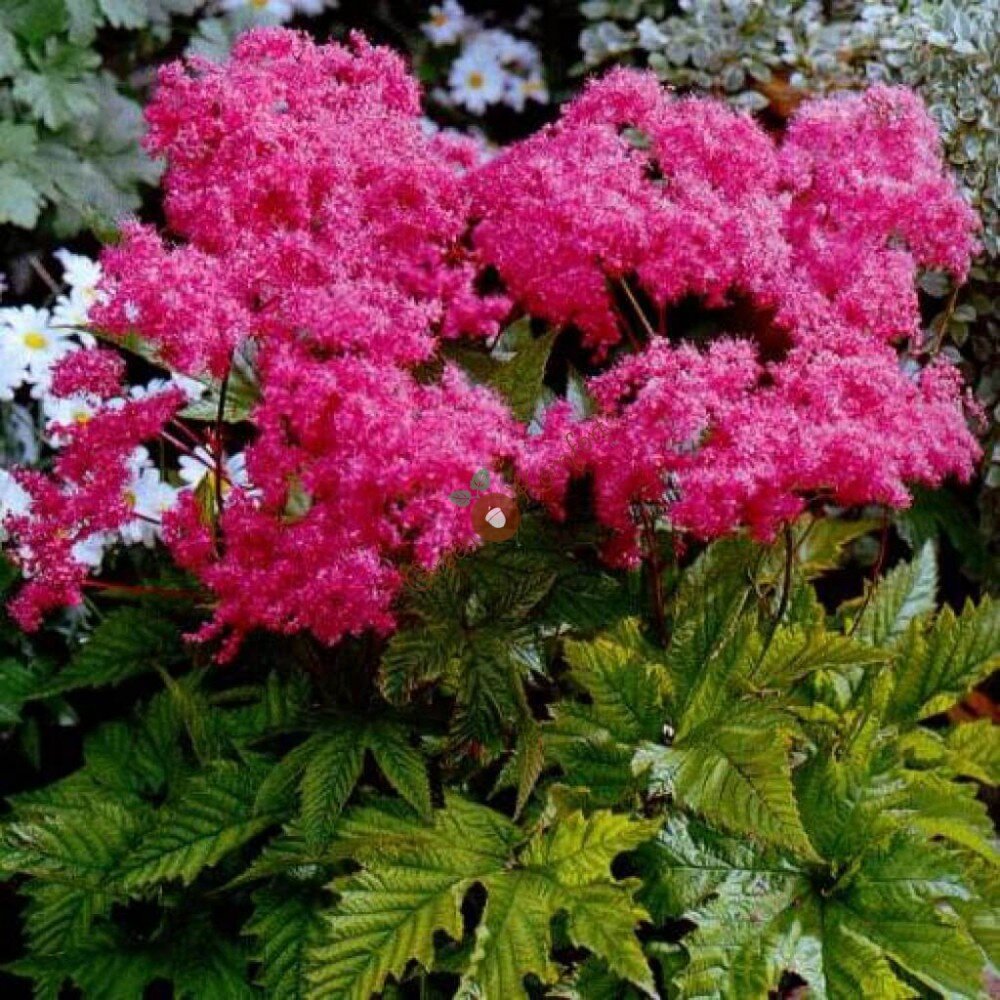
column 909, row 591
column 403, row 766
column 519, row 379
column 795, row 652
column 209, row 816
column 736, row 774
column 974, row 751
column 128, row 642
column 936, row 667
column 411, row 888
column 332, row 767
column 286, row 924
column 513, row 938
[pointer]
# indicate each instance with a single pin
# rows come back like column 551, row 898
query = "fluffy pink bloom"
column 680, row 196
column 741, row 301
column 95, row 372
column 313, row 205
column 808, row 250
column 354, row 463
column 312, row 217
column 86, row 495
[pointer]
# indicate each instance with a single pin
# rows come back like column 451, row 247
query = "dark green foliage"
column 525, row 794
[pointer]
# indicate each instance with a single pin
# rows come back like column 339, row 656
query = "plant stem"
column 786, row 583
column 634, row 302
column 219, row 456
column 654, row 569
column 876, row 572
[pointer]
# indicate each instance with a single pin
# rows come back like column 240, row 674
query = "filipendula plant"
column 770, row 797
column 436, row 768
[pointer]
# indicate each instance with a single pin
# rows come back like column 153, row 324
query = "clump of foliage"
column 768, row 798
column 69, row 128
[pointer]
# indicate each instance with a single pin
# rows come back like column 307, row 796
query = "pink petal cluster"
column 313, row 206
column 86, row 495
column 312, row 217
column 352, row 468
column 97, row 372
column 317, row 228
column 808, row 248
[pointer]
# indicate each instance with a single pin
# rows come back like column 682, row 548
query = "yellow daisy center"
column 35, row 341
column 439, row 20
column 476, row 80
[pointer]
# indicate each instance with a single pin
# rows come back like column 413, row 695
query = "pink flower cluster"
column 314, row 221
column 313, row 217
column 805, row 252
column 85, row 496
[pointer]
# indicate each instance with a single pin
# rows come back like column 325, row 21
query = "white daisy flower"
column 272, row 11
column 476, row 80
column 194, row 468
column 11, row 368
column 72, row 311
column 521, row 89
column 66, row 412
column 149, row 498
column 448, row 22
column 81, row 273
column 14, row 500
column 32, row 344
column 90, row 551
column 191, row 387
column 504, row 48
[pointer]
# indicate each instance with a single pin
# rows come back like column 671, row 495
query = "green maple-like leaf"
column 415, row 878
column 625, row 682
column 974, row 751
column 210, row 815
column 937, row 665
column 796, row 652
column 287, row 922
column 513, row 938
column 326, row 768
column 737, row 775
column 387, row 915
column 128, row 642
column 758, row 916
column 624, row 677
column 909, row 591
